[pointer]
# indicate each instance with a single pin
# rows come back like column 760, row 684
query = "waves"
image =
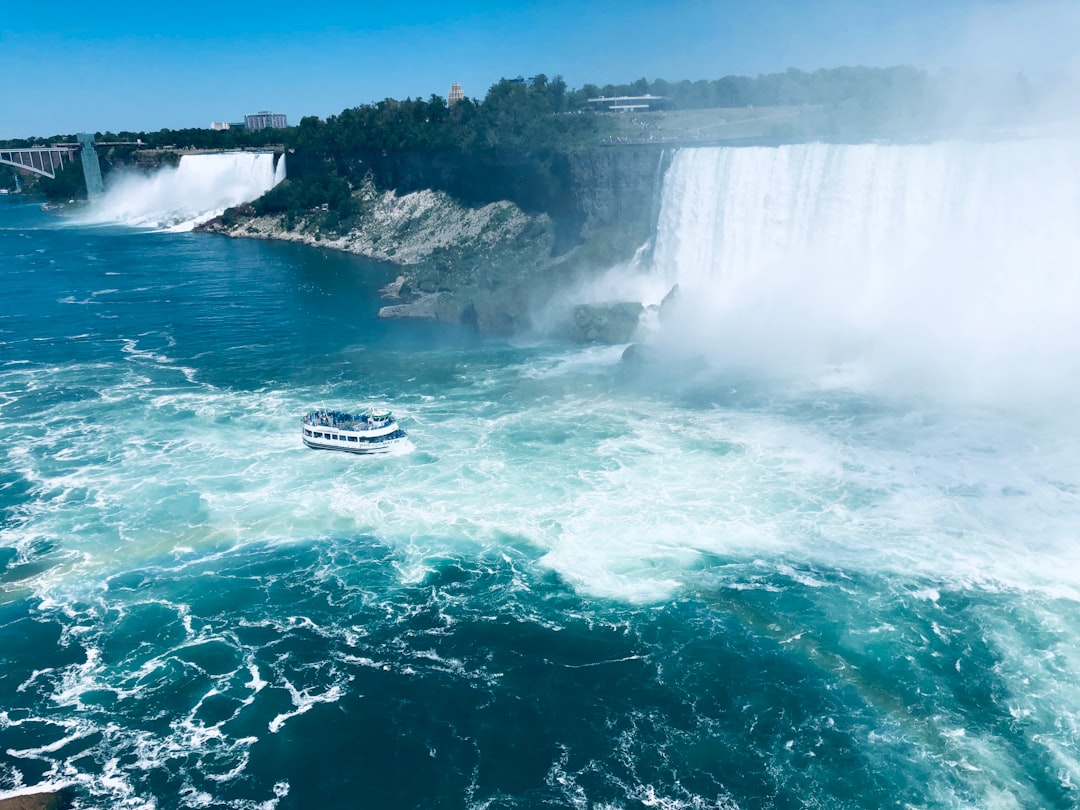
column 198, row 189
column 942, row 266
column 313, row 671
column 720, row 588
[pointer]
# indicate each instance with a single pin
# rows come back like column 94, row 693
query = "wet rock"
column 638, row 354
column 606, row 323
column 669, row 302
column 428, row 306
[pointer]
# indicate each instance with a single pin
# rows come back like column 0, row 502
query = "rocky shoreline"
column 493, row 266
column 474, row 266
column 408, row 229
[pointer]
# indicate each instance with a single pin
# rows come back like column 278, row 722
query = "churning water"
column 782, row 568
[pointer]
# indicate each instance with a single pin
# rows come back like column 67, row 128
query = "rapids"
column 784, row 568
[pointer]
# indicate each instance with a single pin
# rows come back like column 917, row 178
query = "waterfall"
column 932, row 260
column 179, row 198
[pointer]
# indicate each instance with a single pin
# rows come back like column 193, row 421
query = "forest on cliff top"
column 513, row 138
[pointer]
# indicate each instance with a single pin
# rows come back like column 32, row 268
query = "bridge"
column 43, row 160
column 48, row 160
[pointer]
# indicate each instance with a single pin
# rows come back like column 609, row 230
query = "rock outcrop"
column 488, row 265
column 606, row 323
column 408, row 229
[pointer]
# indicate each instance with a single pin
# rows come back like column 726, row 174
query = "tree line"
column 512, row 144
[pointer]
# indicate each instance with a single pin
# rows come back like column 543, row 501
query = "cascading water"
column 279, row 170
column 584, row 588
column 198, row 189
column 951, row 262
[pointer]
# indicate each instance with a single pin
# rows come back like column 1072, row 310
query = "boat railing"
column 346, row 421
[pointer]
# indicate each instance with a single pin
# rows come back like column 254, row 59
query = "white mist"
column 945, row 263
column 199, row 188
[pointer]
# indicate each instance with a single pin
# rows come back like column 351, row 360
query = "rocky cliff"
column 616, row 197
column 465, row 258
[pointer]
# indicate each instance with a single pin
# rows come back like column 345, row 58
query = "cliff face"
column 482, row 243
column 584, row 193
column 616, row 193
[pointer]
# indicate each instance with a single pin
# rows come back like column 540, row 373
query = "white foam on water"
column 915, row 302
column 642, row 495
column 105, row 756
column 620, row 494
column 304, row 701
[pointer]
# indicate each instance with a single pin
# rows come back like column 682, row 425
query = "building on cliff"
column 628, row 103
column 456, row 94
column 265, row 119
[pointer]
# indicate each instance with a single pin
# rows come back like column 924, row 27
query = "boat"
column 373, row 431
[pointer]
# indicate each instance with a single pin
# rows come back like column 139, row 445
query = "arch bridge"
column 48, row 160
column 43, row 160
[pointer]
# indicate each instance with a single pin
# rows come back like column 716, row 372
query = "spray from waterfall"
column 936, row 264
column 178, row 198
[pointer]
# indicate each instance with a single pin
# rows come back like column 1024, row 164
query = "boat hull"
column 370, row 448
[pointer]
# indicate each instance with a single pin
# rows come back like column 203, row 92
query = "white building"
column 264, row 119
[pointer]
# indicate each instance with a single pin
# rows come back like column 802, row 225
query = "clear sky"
column 67, row 67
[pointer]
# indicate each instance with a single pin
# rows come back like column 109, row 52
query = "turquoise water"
column 584, row 586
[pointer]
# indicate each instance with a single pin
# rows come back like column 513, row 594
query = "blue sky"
column 68, row 67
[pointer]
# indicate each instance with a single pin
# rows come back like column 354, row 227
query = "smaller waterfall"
column 200, row 188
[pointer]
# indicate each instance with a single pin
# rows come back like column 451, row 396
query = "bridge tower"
column 91, row 167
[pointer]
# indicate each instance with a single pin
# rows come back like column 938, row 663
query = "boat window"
column 307, row 432
column 353, row 439
column 318, row 436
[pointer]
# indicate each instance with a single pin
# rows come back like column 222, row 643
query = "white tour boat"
column 373, row 431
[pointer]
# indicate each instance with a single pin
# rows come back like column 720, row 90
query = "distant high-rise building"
column 265, row 119
column 219, row 125
column 456, row 94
